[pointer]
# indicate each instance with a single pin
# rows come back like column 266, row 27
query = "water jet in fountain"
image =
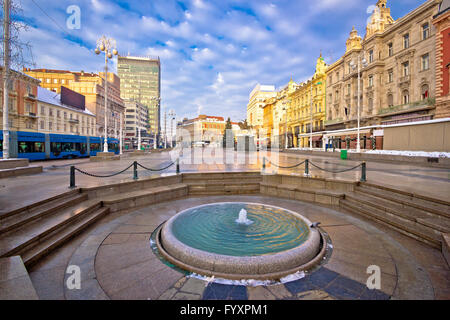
column 243, row 218
column 210, row 241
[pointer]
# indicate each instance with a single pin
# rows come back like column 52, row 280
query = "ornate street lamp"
column 157, row 100
column 108, row 46
column 361, row 61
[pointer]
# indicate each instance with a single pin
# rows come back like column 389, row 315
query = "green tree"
column 228, row 134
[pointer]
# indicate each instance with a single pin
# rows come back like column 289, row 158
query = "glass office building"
column 140, row 80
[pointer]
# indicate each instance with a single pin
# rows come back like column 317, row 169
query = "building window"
column 370, row 81
column 370, row 106
column 50, row 126
column 390, row 76
column 42, row 110
column 55, row 81
column 405, row 96
column 42, row 124
column 28, row 107
column 406, row 41
column 391, row 49
column 406, row 69
column 58, row 114
column 425, row 92
column 48, row 80
column 425, row 31
column 425, row 61
column 65, row 116
column 390, row 99
column 370, row 56
column 50, row 112
column 349, row 88
column 63, row 81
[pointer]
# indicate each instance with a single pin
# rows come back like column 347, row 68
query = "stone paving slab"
column 15, row 284
column 121, row 265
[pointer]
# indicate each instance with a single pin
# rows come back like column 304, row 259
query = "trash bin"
column 344, row 154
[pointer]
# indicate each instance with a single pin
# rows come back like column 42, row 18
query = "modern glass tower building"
column 140, row 80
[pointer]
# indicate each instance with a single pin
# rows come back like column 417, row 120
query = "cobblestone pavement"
column 20, row 191
column 117, row 261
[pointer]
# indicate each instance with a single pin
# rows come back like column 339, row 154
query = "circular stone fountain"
column 240, row 241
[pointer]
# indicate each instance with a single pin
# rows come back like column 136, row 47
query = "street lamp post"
column 285, row 109
column 172, row 117
column 108, row 46
column 354, row 65
column 155, row 142
column 121, row 135
column 6, row 80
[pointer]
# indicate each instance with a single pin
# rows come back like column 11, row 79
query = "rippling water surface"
column 213, row 228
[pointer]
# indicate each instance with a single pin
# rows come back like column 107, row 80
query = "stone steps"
column 225, row 189
column 401, row 224
column 300, row 193
column 16, row 242
column 52, row 207
column 61, row 236
column 437, row 222
column 19, row 171
column 127, row 200
column 15, row 283
column 406, row 199
column 37, row 205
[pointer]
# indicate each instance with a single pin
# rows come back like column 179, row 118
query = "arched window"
column 390, row 100
column 425, row 92
column 405, row 97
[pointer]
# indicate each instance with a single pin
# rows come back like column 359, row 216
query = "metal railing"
column 134, row 165
column 308, row 162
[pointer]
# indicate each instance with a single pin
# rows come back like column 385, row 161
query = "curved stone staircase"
column 34, row 231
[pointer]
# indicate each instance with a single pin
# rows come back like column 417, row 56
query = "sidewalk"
column 24, row 190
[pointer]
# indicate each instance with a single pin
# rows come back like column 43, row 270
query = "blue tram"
column 40, row 146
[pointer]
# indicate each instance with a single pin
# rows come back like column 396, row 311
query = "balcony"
column 404, row 80
column 30, row 96
column 75, row 121
column 408, row 106
column 334, row 121
column 31, row 115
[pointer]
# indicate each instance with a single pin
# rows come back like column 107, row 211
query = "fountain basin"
column 279, row 242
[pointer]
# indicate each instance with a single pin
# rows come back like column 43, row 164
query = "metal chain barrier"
column 155, row 170
column 99, row 176
column 334, row 171
column 282, row 167
column 307, row 162
column 135, row 165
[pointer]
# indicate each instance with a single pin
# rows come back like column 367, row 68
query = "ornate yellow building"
column 306, row 106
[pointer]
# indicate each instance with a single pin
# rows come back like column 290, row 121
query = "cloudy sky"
column 213, row 53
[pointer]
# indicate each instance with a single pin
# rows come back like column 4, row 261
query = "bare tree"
column 20, row 51
column 13, row 55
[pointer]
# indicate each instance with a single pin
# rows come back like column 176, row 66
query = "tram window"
column 67, row 147
column 77, row 146
column 113, row 146
column 1, row 145
column 95, row 146
column 56, row 147
column 39, row 147
column 83, row 148
column 24, row 147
